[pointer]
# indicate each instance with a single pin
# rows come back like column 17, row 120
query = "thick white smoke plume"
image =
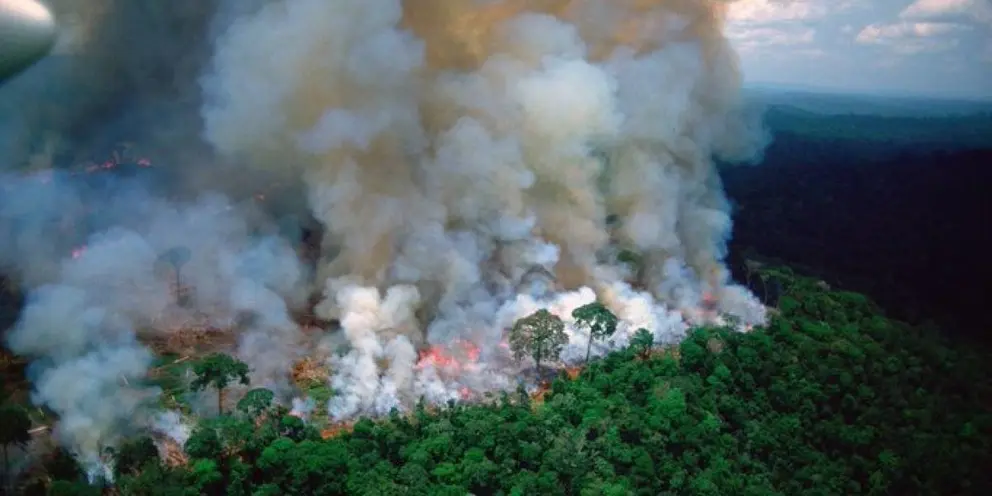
column 468, row 162
column 88, row 323
column 450, row 151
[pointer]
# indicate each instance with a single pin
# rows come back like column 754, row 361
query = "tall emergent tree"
column 14, row 427
column 540, row 335
column 642, row 341
column 598, row 319
column 219, row 370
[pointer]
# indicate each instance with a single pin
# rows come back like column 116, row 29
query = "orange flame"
column 437, row 357
column 336, row 429
column 117, row 158
column 453, row 357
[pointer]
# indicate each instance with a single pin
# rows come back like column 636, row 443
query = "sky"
column 921, row 47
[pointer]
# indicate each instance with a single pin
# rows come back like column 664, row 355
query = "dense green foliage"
column 219, row 371
column 831, row 398
column 596, row 319
column 540, row 336
column 14, row 426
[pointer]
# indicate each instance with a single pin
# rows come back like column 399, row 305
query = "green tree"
column 14, row 427
column 599, row 320
column 642, row 342
column 219, row 370
column 256, row 402
column 73, row 488
column 540, row 335
column 133, row 455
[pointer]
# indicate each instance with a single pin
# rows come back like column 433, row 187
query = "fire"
column 437, row 357
column 538, row 396
column 78, row 252
column 117, row 158
column 471, row 351
column 335, row 429
column 452, row 358
column 709, row 302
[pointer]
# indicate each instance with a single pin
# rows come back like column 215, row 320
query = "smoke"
column 450, row 149
column 92, row 313
column 116, row 63
column 468, row 162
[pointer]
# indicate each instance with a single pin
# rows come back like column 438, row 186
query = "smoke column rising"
column 461, row 156
column 450, row 148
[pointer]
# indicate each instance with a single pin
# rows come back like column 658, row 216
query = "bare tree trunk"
column 220, row 401
column 589, row 348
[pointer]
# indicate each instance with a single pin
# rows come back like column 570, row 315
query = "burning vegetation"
column 436, row 210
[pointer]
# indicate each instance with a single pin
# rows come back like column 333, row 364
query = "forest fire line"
column 457, row 161
column 46, row 176
column 452, row 357
column 537, row 396
column 111, row 164
column 120, row 157
column 456, row 363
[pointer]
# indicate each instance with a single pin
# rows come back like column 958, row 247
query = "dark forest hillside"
column 906, row 221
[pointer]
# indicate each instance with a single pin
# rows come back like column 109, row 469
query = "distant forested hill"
column 875, row 135
column 862, row 104
column 893, row 206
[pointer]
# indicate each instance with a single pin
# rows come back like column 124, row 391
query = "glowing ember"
column 452, row 358
column 710, row 302
column 435, row 356
column 117, row 158
column 336, row 429
column 471, row 350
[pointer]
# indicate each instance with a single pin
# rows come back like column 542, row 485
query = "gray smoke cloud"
column 462, row 159
column 116, row 64
column 95, row 308
column 450, row 149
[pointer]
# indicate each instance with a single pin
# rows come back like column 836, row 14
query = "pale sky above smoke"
column 932, row 47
